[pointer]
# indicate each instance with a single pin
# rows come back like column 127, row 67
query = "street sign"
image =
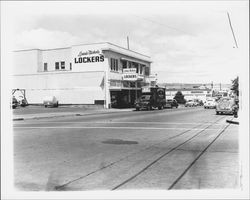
column 129, row 77
column 129, row 71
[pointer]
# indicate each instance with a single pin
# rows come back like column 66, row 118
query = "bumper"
column 224, row 111
column 168, row 106
column 209, row 106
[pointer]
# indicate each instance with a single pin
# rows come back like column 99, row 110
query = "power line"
column 169, row 27
column 232, row 30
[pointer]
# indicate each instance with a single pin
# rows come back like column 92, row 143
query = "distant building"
column 196, row 91
column 189, row 93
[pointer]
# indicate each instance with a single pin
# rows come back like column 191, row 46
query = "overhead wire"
column 164, row 25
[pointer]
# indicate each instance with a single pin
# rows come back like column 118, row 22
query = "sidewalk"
column 80, row 112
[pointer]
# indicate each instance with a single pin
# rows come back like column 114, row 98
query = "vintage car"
column 170, row 103
column 190, row 103
column 50, row 101
column 210, row 103
column 14, row 102
column 225, row 105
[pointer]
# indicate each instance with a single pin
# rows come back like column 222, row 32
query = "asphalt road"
column 184, row 148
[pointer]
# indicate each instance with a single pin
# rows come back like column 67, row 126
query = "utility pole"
column 128, row 42
column 235, row 41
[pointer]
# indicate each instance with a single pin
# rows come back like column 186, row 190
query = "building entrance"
column 124, row 98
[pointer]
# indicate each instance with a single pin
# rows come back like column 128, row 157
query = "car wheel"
column 217, row 113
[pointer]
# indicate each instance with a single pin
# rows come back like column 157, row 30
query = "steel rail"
column 159, row 158
column 61, row 187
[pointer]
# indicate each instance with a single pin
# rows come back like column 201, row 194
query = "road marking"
column 114, row 127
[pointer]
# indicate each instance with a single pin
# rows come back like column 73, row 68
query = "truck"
column 152, row 97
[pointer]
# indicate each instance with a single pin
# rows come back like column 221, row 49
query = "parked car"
column 14, row 103
column 200, row 102
column 170, row 103
column 210, row 103
column 190, row 103
column 225, row 105
column 50, row 101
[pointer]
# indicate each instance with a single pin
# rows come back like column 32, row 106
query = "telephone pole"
column 128, row 42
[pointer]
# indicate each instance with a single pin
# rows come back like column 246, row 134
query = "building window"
column 147, row 71
column 57, row 65
column 45, row 66
column 70, row 66
column 113, row 64
column 141, row 69
column 129, row 65
column 136, row 65
column 124, row 64
column 62, row 65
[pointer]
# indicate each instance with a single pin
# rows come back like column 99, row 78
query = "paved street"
column 184, row 148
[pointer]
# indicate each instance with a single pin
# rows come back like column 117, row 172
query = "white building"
column 190, row 93
column 98, row 73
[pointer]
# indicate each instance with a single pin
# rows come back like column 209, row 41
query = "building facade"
column 190, row 93
column 101, row 73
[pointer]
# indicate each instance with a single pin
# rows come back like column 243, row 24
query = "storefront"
column 101, row 73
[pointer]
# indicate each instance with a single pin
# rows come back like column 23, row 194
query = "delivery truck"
column 151, row 98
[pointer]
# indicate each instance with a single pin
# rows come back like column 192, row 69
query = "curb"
column 66, row 115
column 232, row 122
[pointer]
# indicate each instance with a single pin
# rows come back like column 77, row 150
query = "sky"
column 188, row 42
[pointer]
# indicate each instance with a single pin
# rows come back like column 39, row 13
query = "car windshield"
column 224, row 99
column 169, row 100
column 145, row 97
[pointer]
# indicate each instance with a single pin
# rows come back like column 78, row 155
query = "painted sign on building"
column 90, row 56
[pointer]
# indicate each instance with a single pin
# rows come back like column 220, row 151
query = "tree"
column 235, row 86
column 179, row 97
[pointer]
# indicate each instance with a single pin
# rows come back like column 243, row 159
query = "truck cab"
column 152, row 97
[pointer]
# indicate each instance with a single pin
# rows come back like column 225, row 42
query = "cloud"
column 182, row 46
column 42, row 38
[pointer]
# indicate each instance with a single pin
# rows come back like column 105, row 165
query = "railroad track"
column 64, row 186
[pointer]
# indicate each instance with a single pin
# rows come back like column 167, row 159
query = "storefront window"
column 132, row 84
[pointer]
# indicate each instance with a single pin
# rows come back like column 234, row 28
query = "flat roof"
column 85, row 45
